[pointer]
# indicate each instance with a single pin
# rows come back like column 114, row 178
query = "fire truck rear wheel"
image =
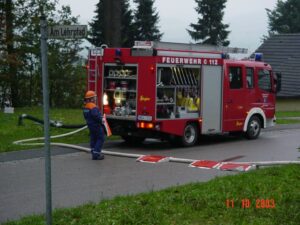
column 254, row 128
column 190, row 135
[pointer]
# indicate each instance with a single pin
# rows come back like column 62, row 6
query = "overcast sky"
column 247, row 19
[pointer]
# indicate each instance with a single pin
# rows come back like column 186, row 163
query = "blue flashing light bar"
column 225, row 56
column 258, row 56
column 118, row 52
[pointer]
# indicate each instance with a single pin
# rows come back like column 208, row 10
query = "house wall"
column 282, row 52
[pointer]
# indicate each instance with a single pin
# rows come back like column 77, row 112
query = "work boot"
column 98, row 156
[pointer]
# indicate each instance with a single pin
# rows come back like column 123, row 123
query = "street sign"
column 67, row 31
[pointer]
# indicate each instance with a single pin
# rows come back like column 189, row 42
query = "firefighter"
column 94, row 121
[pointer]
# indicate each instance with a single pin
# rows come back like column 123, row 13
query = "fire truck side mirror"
column 277, row 82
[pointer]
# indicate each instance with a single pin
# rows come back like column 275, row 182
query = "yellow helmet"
column 90, row 94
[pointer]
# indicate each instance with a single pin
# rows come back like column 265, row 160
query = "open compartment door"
column 211, row 103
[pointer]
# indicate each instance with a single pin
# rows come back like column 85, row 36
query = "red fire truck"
column 180, row 91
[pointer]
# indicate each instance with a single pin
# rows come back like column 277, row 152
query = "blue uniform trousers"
column 96, row 141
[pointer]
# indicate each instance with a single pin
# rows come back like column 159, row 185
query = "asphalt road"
column 77, row 180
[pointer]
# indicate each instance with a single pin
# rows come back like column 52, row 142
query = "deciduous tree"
column 22, row 64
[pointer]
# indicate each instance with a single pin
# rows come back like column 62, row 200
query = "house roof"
column 282, row 52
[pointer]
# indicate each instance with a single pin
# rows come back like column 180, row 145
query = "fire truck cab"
column 180, row 91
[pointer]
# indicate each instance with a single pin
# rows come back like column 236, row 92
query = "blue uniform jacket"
column 92, row 116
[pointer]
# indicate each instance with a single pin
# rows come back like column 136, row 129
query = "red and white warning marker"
column 225, row 166
column 153, row 159
column 205, row 164
column 235, row 166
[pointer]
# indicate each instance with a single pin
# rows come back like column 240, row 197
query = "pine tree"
column 285, row 17
column 145, row 21
column 99, row 31
column 96, row 36
column 209, row 29
column 127, row 30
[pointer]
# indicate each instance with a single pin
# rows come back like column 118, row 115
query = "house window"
column 250, row 77
column 264, row 80
column 235, row 77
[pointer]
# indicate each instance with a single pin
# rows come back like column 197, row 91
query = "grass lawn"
column 288, row 105
column 10, row 131
column 287, row 108
column 273, row 196
column 282, row 117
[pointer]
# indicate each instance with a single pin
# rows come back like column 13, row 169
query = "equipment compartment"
column 177, row 92
column 119, row 90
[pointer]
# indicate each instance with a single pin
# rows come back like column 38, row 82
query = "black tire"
column 133, row 140
column 190, row 135
column 253, row 128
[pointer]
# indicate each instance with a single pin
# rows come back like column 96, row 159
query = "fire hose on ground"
column 59, row 124
column 53, row 123
column 206, row 164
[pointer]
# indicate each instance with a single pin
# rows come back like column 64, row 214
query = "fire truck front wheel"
column 254, row 128
column 190, row 135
